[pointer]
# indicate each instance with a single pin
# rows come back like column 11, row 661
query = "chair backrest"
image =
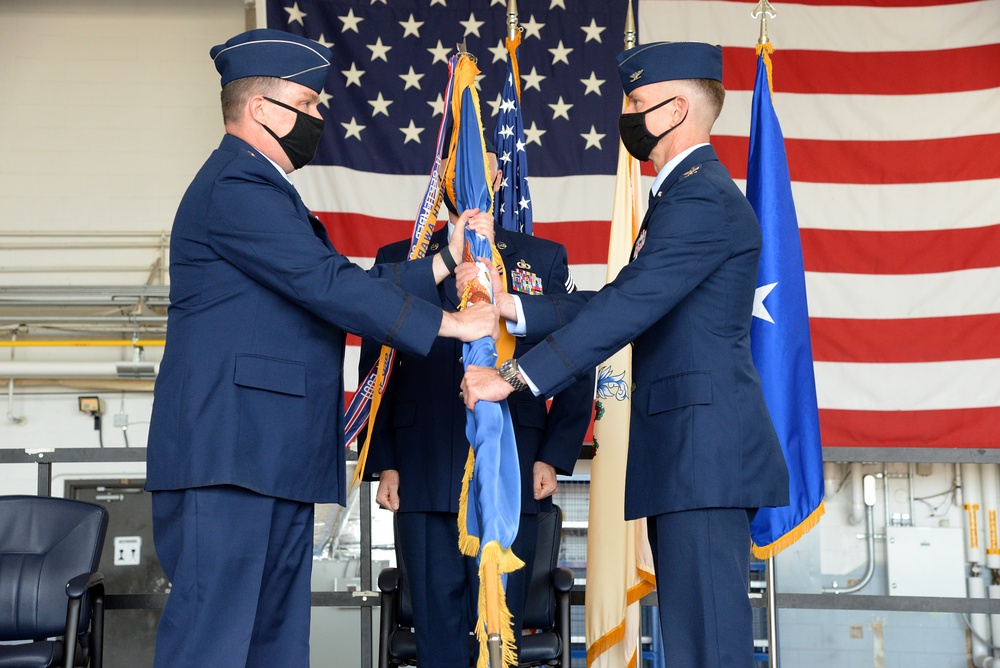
column 44, row 543
column 540, row 608
column 404, row 609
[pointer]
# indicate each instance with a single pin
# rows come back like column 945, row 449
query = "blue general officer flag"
column 779, row 335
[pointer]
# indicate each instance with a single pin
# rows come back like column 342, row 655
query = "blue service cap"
column 669, row 61
column 273, row 53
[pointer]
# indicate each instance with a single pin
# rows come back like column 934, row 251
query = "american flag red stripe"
column 969, row 337
column 917, row 252
column 875, row 162
column 968, row 428
column 902, row 73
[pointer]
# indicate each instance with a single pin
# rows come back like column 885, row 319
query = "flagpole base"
column 496, row 651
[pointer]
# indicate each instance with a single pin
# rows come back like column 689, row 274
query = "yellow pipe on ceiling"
column 140, row 343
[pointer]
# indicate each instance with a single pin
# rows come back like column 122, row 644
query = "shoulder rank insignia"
column 433, row 247
column 526, row 282
column 691, row 172
column 523, row 265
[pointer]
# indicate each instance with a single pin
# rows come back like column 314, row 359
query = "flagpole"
column 630, row 31
column 772, row 615
column 512, row 20
column 764, row 11
column 492, row 577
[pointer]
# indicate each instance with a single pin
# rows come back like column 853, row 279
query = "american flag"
column 889, row 110
column 513, row 206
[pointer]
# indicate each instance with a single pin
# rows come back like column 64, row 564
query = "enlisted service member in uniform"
column 246, row 431
column 703, row 454
column 419, row 449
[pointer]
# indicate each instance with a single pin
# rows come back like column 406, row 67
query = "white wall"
column 109, row 107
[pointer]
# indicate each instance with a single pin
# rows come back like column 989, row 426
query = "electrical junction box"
column 89, row 405
column 926, row 561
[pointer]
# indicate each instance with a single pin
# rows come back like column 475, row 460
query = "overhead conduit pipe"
column 135, row 369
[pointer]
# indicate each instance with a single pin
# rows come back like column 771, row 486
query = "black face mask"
column 448, row 203
column 639, row 141
column 301, row 141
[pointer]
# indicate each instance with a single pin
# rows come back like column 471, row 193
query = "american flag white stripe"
column 847, row 206
column 870, row 117
column 825, row 26
column 872, row 296
column 908, row 387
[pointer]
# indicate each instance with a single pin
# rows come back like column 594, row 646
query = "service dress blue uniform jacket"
column 701, row 436
column 250, row 388
column 420, row 428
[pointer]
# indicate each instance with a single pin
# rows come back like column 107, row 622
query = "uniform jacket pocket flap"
column 267, row 373
column 404, row 414
column 686, row 389
column 528, row 413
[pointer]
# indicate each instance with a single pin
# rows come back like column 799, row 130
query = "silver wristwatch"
column 508, row 371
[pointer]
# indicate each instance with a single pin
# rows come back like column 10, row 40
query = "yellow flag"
column 616, row 579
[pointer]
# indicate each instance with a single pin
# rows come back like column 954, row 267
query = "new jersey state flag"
column 779, row 334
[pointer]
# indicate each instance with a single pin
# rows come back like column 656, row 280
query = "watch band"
column 508, row 371
column 449, row 261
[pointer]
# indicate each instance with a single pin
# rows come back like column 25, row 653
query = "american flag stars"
column 384, row 97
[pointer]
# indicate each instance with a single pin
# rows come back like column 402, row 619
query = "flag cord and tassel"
column 764, row 11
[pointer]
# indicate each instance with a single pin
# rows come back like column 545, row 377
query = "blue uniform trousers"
column 444, row 584
column 702, row 561
column 240, row 565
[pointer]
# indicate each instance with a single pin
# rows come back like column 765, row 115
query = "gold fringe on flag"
column 505, row 561
column 634, row 594
column 467, row 544
column 768, row 551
